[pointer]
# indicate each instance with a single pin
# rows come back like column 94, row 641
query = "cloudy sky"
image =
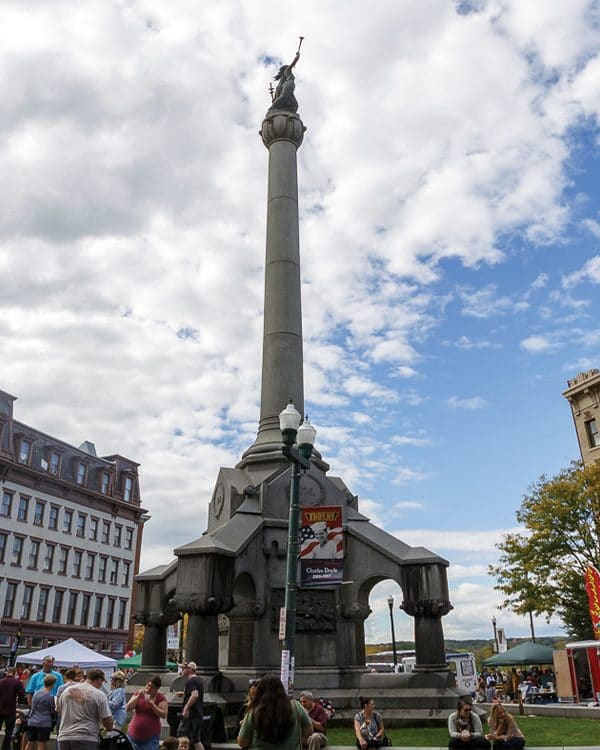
column 450, row 240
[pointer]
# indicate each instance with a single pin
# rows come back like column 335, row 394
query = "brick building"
column 71, row 527
column 583, row 395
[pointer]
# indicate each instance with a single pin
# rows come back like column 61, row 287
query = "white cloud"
column 473, row 403
column 484, row 303
column 590, row 272
column 592, row 226
column 411, row 440
column 539, row 344
column 465, row 342
column 404, row 474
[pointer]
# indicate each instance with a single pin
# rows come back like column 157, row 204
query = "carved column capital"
column 282, row 126
column 157, row 618
column 427, row 607
column 201, row 604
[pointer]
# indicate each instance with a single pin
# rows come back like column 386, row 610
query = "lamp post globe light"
column 390, row 602
column 304, row 434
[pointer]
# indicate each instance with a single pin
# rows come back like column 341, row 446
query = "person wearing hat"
column 83, row 707
column 192, row 713
column 117, row 700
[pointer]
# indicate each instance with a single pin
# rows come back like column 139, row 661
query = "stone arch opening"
column 378, row 624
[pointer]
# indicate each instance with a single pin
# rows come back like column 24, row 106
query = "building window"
column 85, row 609
column 63, row 561
column 23, row 508
column 128, row 538
column 38, row 513
column 9, row 602
column 102, row 569
column 105, row 532
column 80, row 525
column 34, row 553
column 67, row 521
column 17, row 550
column 93, row 529
column 110, row 611
column 53, row 517
column 114, row 572
column 81, row 472
column 122, row 610
column 58, row 603
column 118, row 534
column 49, row 559
column 105, row 483
column 77, row 556
column 42, row 605
column 3, row 541
column 27, row 599
column 24, row 451
column 6, row 507
column 71, row 607
column 591, row 428
column 128, row 489
column 54, row 463
column 98, row 611
column 89, row 566
column 126, row 569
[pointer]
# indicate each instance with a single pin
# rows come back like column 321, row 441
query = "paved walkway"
column 235, row 746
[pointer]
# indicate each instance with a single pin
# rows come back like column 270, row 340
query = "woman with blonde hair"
column 117, row 699
column 504, row 732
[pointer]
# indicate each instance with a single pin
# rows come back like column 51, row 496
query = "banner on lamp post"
column 592, row 587
column 321, row 546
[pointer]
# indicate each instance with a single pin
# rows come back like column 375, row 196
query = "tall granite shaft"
column 282, row 364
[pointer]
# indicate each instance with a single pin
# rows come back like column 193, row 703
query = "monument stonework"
column 231, row 579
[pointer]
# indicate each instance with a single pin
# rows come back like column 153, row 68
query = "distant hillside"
column 473, row 645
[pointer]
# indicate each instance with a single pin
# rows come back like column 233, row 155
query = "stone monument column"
column 282, row 133
column 154, row 646
column 202, row 641
column 426, row 598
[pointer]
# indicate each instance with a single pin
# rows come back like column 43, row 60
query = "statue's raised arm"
column 283, row 98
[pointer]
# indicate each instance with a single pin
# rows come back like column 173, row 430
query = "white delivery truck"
column 462, row 667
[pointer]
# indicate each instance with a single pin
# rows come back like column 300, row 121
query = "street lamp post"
column 304, row 434
column 390, row 602
column 496, row 646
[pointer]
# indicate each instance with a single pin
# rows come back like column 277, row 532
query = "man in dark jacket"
column 193, row 707
column 11, row 693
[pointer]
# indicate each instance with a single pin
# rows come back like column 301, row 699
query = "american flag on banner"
column 331, row 543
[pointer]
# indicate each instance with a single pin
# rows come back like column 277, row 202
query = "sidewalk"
column 235, row 746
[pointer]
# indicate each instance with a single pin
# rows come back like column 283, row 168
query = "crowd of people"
column 80, row 704
column 508, row 685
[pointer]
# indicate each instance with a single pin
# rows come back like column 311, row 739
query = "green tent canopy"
column 135, row 662
column 525, row 654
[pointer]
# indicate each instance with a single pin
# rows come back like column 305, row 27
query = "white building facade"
column 70, row 535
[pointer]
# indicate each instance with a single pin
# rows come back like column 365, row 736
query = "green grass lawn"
column 538, row 731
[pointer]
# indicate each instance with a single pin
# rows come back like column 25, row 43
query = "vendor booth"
column 71, row 653
column 584, row 670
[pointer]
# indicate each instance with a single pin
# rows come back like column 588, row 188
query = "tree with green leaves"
column 541, row 569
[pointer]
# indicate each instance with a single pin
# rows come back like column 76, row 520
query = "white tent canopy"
column 70, row 653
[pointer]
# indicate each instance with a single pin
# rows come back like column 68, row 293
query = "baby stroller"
column 19, row 730
column 114, row 740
